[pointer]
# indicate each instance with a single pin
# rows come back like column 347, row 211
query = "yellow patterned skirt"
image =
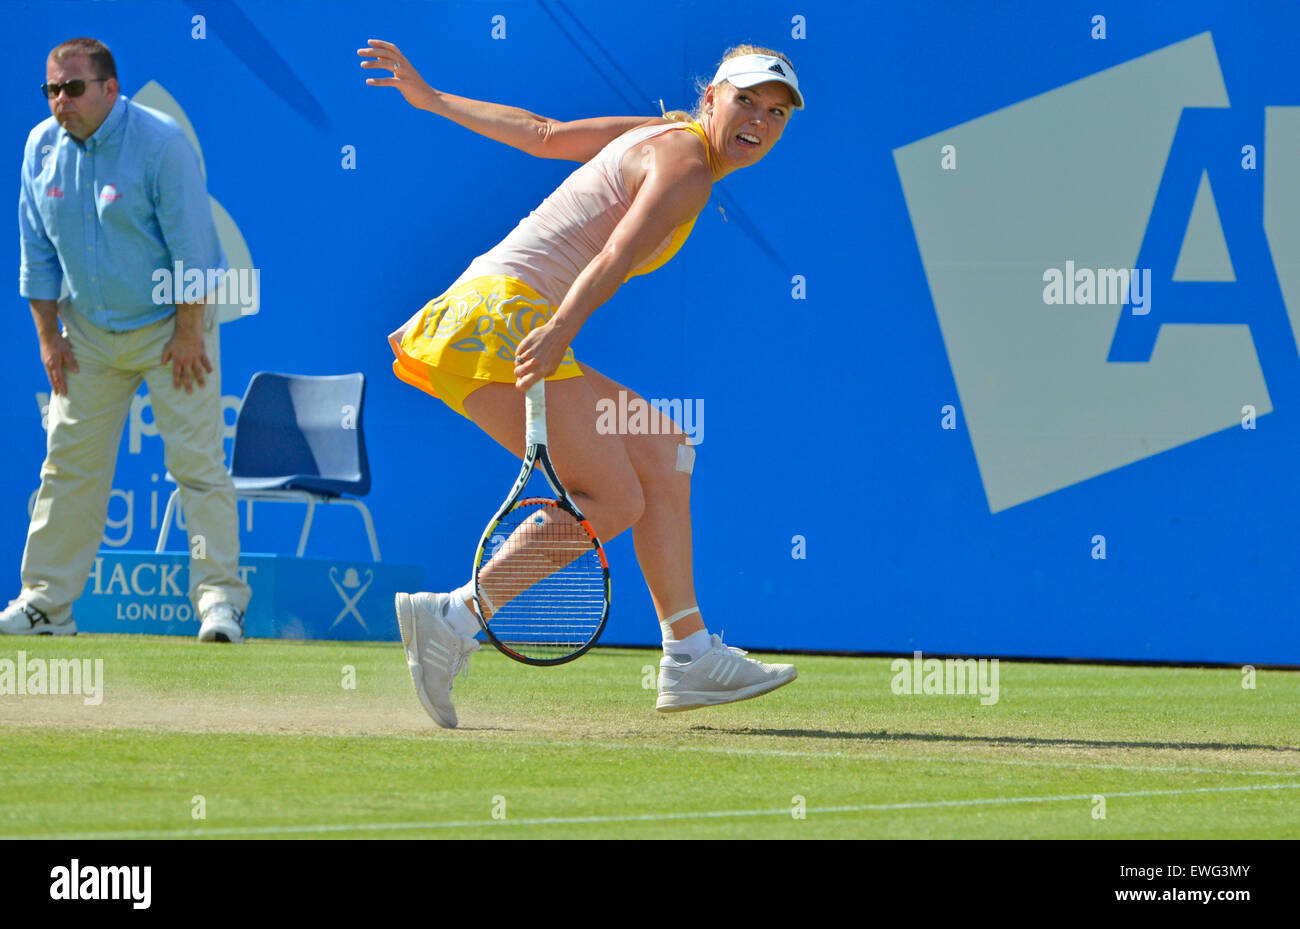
column 467, row 337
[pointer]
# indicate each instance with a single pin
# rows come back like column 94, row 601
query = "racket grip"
column 535, row 414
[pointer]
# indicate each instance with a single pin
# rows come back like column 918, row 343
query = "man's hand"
column 56, row 351
column 186, row 351
column 386, row 56
column 56, row 354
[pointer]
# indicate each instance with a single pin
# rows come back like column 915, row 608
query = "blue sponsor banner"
column 293, row 598
column 998, row 344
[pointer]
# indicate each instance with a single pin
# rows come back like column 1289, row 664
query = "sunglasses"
column 74, row 88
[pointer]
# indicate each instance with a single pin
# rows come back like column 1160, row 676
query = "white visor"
column 748, row 70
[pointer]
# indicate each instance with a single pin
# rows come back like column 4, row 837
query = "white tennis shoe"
column 21, row 618
column 721, row 675
column 222, row 623
column 434, row 652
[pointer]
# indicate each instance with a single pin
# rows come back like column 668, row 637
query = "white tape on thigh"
column 686, row 458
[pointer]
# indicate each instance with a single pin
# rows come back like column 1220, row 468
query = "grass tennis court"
column 273, row 743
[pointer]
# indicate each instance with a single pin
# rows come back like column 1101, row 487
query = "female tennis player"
column 508, row 321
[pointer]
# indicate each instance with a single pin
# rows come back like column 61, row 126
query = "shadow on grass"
column 886, row 736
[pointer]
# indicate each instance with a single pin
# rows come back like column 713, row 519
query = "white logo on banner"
column 351, row 581
column 1072, row 174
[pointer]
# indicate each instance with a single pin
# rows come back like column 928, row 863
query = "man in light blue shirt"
column 111, row 194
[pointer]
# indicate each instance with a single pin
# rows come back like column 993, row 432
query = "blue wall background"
column 822, row 415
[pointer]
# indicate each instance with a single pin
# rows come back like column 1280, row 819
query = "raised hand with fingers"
column 386, row 56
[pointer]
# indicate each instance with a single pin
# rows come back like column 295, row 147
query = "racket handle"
column 535, row 414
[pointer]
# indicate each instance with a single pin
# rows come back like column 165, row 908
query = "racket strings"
column 542, row 583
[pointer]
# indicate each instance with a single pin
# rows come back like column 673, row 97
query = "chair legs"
column 370, row 526
column 306, row 523
column 283, row 497
column 168, row 515
column 358, row 505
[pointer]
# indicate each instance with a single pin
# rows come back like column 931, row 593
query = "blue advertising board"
column 293, row 598
column 938, row 415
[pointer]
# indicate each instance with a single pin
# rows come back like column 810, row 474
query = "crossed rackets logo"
column 351, row 581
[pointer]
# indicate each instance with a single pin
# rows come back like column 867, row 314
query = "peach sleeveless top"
column 552, row 244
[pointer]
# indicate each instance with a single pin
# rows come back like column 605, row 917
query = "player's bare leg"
column 662, row 536
column 595, row 468
column 609, row 473
column 604, row 469
column 438, row 628
column 697, row 669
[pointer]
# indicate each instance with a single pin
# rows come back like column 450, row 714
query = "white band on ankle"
column 676, row 616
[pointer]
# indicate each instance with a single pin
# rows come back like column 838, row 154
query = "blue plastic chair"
column 299, row 439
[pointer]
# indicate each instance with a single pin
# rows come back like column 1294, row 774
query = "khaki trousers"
column 85, row 429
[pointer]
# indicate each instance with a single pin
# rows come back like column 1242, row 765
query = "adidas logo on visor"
column 778, row 69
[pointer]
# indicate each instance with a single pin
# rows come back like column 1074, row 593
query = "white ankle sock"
column 460, row 616
column 691, row 648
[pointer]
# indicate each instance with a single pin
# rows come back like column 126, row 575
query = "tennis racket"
column 540, row 573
